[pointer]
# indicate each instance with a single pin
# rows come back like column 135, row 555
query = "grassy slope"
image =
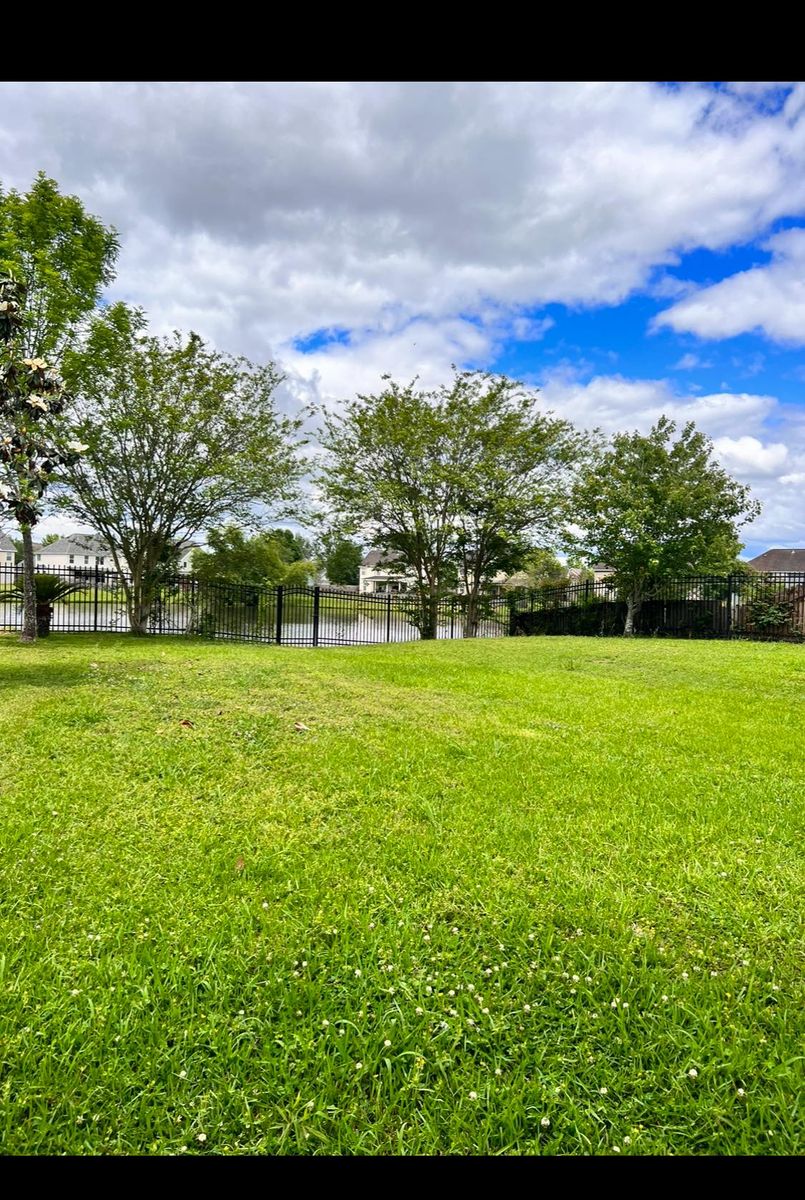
column 537, row 869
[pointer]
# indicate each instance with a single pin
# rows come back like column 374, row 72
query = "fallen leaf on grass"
column 240, row 864
column 300, row 728
column 187, row 724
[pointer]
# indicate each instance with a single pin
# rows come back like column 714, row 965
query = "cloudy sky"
column 631, row 249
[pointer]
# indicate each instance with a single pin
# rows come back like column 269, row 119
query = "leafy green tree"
column 34, row 446
column 180, row 438
column 292, row 546
column 50, row 538
column 341, row 560
column 261, row 560
column 515, row 467
column 391, row 473
column 545, row 570
column 653, row 507
column 63, row 255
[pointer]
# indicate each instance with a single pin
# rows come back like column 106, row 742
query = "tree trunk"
column 139, row 605
column 28, row 586
column 632, row 609
column 471, row 619
column 429, row 626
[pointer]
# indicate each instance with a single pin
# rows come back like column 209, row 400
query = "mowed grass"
column 536, row 896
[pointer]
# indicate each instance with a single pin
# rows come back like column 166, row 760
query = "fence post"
column 279, row 614
column 95, row 601
column 452, row 615
column 729, row 605
column 316, row 592
column 388, row 617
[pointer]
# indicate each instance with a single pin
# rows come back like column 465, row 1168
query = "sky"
column 630, row 249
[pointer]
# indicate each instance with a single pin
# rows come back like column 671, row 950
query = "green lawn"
column 512, row 896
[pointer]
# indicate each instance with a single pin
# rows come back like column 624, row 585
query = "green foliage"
column 653, row 507
column 292, row 546
column 49, row 589
column 490, row 884
column 63, row 255
column 261, row 560
column 342, row 560
column 456, row 480
column 180, row 437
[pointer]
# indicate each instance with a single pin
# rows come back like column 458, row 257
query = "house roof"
column 6, row 544
column 780, row 561
column 380, row 558
column 76, row 543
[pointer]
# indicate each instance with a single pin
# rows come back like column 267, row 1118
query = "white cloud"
column 261, row 212
column 689, row 362
column 769, row 299
column 750, row 456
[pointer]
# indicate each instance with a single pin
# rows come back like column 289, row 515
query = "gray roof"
column 380, row 558
column 780, row 561
column 76, row 543
column 6, row 544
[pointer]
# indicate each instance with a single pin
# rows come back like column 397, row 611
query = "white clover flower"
column 575, row 978
column 545, row 1122
column 387, row 1042
column 325, row 1023
column 602, row 1091
column 498, row 1071
column 183, row 1074
column 685, row 975
column 426, row 937
column 627, row 1141
column 454, row 929
column 202, row 1137
column 616, row 1149
column 470, row 987
column 418, row 1011
column 693, row 1073
column 473, row 1095
column 357, row 972
column 527, row 1008
column 358, row 1066
column 485, row 1011
column 588, row 978
column 740, row 1092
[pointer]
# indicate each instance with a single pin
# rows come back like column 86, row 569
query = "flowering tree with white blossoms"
column 32, row 446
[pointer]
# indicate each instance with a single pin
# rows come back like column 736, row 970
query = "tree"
column 652, row 508
column 64, row 257
column 391, row 473
column 180, row 437
column 545, row 570
column 515, row 472
column 292, row 546
column 260, row 561
column 50, row 538
column 342, row 559
column 33, row 445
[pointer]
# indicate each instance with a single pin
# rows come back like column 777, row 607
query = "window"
column 39, row 558
column 72, row 559
column 100, row 562
column 86, row 559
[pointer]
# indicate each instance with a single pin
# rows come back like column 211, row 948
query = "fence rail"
column 287, row 616
column 768, row 607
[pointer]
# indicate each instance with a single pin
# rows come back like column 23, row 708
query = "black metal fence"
column 287, row 616
column 765, row 607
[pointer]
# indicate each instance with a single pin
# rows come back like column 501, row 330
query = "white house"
column 378, row 574
column 7, row 552
column 83, row 552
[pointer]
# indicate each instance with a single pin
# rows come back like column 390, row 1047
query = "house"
column 378, row 575
column 7, row 551
column 780, row 562
column 83, row 552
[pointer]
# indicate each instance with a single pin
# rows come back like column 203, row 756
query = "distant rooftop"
column 780, row 562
